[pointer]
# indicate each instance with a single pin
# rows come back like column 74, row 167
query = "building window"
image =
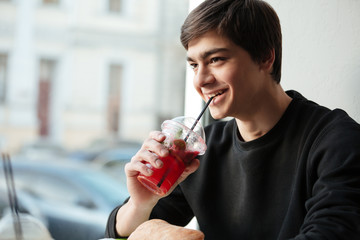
column 3, row 77
column 114, row 90
column 50, row 2
column 46, row 79
column 115, row 6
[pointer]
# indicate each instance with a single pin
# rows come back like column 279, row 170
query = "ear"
column 267, row 63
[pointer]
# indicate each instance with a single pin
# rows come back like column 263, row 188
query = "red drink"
column 164, row 178
column 184, row 145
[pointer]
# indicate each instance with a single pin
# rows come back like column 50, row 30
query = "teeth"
column 216, row 94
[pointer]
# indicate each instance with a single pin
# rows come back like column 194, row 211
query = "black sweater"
column 301, row 180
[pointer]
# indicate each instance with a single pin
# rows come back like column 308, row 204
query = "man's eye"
column 215, row 59
column 193, row 65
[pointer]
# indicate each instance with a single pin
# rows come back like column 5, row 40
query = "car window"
column 51, row 189
column 101, row 184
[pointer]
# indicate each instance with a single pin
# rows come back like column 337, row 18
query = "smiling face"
column 220, row 66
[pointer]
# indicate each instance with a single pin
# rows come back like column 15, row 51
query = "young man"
column 283, row 168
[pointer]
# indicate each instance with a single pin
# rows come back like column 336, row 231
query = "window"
column 46, row 79
column 3, row 66
column 50, row 2
column 80, row 84
column 115, row 76
column 115, row 6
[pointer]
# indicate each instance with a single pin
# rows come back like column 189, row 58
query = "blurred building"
column 72, row 71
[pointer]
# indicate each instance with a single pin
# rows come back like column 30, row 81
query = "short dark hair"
column 250, row 24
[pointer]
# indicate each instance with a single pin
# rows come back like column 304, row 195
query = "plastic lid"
column 189, row 122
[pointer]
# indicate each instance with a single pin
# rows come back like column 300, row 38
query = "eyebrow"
column 206, row 54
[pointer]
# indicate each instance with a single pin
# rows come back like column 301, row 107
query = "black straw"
column 9, row 177
column 200, row 115
column 187, row 136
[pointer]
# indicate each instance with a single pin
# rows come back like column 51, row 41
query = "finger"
column 147, row 156
column 155, row 145
column 142, row 163
column 134, row 168
column 194, row 165
column 157, row 135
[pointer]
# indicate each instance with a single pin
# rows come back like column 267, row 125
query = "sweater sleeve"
column 173, row 209
column 110, row 231
column 333, row 208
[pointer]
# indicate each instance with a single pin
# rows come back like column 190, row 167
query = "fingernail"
column 159, row 163
column 164, row 152
column 150, row 172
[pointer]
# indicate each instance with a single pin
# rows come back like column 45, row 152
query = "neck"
column 269, row 110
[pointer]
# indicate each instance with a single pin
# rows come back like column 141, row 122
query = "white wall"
column 321, row 51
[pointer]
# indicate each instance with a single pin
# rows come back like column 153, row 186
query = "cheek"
column 232, row 80
column 229, row 74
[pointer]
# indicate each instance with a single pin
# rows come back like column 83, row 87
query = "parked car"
column 26, row 204
column 101, row 147
column 75, row 200
column 112, row 162
column 42, row 149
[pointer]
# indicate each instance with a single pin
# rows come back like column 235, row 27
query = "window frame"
column 4, row 59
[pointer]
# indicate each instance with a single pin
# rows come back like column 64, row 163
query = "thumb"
column 194, row 165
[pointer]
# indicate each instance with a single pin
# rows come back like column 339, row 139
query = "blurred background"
column 83, row 82
column 81, row 85
column 74, row 72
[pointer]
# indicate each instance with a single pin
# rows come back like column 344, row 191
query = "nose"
column 203, row 76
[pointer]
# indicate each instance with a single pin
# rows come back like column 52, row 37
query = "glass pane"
column 53, row 2
column 52, row 190
column 115, row 6
column 85, row 86
column 3, row 76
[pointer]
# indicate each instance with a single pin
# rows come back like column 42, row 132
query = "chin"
column 217, row 115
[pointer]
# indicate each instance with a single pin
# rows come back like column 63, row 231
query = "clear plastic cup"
column 31, row 228
column 184, row 145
